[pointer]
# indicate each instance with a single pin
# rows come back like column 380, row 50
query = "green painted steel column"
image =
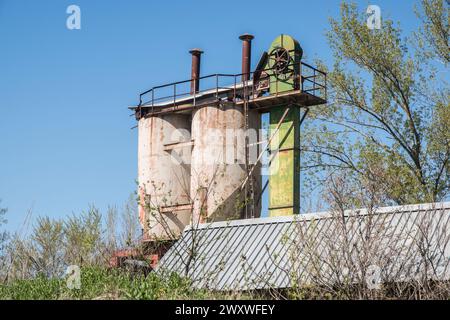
column 284, row 170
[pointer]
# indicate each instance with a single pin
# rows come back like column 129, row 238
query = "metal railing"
column 306, row 78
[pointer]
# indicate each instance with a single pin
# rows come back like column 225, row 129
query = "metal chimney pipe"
column 195, row 70
column 246, row 55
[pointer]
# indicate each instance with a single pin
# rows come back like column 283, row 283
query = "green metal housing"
column 284, row 182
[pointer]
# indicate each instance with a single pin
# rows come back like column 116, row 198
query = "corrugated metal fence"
column 384, row 244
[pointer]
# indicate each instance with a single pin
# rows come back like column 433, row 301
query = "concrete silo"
column 164, row 175
column 218, row 163
column 220, row 158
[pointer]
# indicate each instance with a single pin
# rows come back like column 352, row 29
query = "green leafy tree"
column 47, row 254
column 432, row 37
column 83, row 236
column 388, row 115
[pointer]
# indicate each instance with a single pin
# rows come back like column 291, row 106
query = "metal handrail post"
column 153, row 100
column 234, row 93
column 174, row 94
column 217, row 86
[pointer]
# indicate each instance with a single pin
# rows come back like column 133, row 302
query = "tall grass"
column 102, row 283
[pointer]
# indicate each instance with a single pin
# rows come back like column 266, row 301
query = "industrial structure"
column 200, row 161
column 200, row 146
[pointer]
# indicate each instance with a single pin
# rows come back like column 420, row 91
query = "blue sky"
column 65, row 137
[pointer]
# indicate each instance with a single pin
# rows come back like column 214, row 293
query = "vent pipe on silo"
column 246, row 55
column 195, row 70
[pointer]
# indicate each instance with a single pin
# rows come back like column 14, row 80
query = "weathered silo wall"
column 218, row 162
column 164, row 153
